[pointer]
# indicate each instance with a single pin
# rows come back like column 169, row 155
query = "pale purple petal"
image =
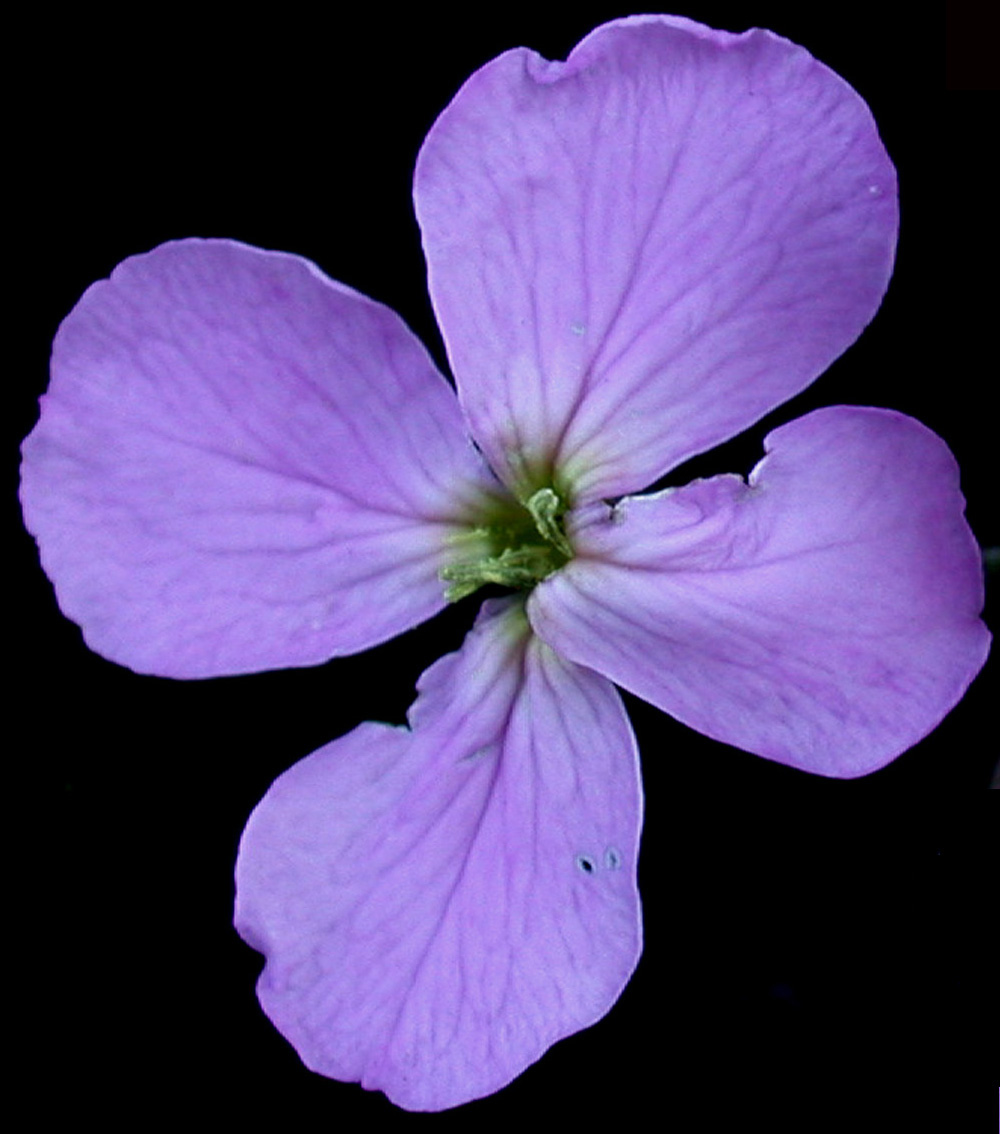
column 824, row 615
column 439, row 906
column 637, row 253
column 241, row 464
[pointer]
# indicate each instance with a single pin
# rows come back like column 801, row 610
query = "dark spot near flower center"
column 586, row 863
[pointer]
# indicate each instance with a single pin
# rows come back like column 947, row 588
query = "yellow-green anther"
column 516, row 546
column 547, row 511
column 514, row 567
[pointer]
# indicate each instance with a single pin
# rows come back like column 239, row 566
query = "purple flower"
column 241, row 465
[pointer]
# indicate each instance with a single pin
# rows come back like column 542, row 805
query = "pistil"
column 516, row 549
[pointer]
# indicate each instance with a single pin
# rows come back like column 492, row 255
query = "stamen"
column 513, row 567
column 516, row 547
column 547, row 511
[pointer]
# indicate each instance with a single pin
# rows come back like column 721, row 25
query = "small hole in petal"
column 586, row 863
column 613, row 858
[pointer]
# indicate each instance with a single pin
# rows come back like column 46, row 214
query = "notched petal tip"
column 615, row 301
column 826, row 615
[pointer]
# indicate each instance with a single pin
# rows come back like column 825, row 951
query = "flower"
column 242, row 465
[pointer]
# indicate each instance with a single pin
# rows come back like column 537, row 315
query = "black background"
column 814, row 948
column 972, row 62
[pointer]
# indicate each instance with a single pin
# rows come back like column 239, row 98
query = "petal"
column 638, row 252
column 824, row 616
column 439, row 906
column 241, row 464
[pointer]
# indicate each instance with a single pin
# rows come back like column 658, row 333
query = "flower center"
column 515, row 545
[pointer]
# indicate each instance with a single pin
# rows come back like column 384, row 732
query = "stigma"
column 514, row 545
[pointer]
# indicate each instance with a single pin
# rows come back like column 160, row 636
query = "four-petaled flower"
column 242, row 465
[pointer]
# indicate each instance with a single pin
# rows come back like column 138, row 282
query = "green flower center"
column 516, row 545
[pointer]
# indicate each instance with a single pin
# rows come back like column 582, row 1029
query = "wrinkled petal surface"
column 241, row 465
column 638, row 252
column 823, row 615
column 439, row 906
